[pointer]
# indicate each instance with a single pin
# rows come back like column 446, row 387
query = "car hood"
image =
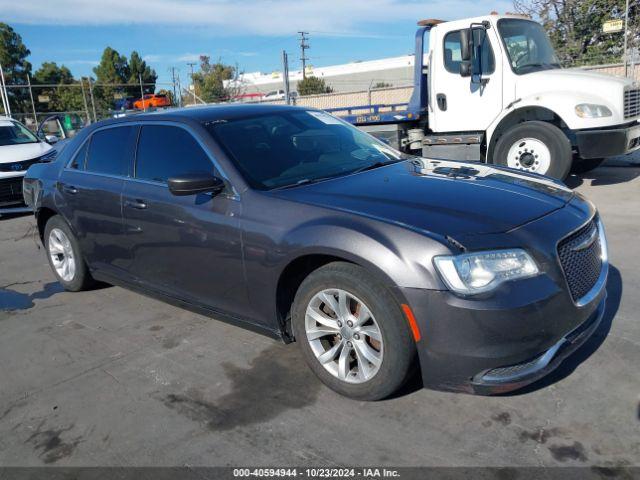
column 26, row 151
column 442, row 197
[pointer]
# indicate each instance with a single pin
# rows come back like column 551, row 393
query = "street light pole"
column 626, row 32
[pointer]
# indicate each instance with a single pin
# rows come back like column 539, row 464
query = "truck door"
column 465, row 103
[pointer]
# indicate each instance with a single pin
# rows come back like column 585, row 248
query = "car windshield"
column 12, row 133
column 528, row 46
column 289, row 148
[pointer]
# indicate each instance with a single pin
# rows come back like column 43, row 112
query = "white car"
column 19, row 149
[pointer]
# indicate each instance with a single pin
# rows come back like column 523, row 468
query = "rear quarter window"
column 111, row 150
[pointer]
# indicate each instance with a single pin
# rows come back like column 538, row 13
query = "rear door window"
column 165, row 151
column 111, row 150
column 77, row 163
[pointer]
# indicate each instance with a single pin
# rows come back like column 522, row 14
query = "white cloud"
column 233, row 17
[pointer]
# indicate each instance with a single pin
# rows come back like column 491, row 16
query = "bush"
column 313, row 86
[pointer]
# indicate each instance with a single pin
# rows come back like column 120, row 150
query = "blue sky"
column 251, row 33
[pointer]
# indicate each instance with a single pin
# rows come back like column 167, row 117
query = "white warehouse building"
column 349, row 77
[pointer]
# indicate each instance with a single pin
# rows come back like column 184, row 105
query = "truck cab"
column 492, row 89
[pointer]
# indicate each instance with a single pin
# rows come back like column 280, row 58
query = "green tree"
column 313, row 86
column 575, row 27
column 209, row 81
column 112, row 69
column 61, row 98
column 13, row 57
column 138, row 68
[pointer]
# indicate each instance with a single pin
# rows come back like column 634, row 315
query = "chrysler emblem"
column 587, row 241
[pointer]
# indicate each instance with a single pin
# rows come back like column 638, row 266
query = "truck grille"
column 631, row 102
column 581, row 259
column 10, row 190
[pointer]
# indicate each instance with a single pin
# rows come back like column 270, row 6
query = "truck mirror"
column 465, row 69
column 466, row 40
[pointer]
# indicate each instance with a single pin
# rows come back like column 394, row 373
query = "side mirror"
column 51, row 139
column 466, row 44
column 196, row 183
column 465, row 69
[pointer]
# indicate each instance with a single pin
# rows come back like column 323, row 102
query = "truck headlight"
column 592, row 110
column 478, row 272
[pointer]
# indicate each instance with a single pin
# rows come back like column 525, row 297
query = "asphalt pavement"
column 110, row 377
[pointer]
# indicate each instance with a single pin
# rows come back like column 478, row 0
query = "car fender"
column 376, row 246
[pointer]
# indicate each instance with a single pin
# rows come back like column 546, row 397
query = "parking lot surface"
column 110, row 377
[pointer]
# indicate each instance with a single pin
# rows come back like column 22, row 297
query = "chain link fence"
column 31, row 104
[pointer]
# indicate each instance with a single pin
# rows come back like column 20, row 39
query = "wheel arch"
column 518, row 116
column 43, row 215
column 300, row 267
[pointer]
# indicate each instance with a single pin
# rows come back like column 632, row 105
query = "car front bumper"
column 603, row 143
column 508, row 338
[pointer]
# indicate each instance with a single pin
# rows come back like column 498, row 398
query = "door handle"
column 70, row 189
column 138, row 204
column 441, row 98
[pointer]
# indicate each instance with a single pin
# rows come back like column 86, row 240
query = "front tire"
column 65, row 258
column 352, row 332
column 537, row 147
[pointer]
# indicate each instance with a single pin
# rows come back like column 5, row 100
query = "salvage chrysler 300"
column 289, row 221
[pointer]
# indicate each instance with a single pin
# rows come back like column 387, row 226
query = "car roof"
column 205, row 113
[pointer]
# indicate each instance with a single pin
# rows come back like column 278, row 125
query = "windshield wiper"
column 538, row 65
column 304, row 181
column 372, row 166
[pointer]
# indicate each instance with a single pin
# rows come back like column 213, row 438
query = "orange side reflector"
column 412, row 322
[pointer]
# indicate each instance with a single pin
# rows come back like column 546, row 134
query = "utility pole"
column 285, row 76
column 179, row 100
column 303, row 58
column 193, row 84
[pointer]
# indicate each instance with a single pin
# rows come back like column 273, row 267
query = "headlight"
column 591, row 110
column 478, row 272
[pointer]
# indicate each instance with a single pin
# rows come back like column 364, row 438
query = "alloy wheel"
column 61, row 253
column 344, row 335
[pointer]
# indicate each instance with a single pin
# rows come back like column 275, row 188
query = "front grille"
column 18, row 166
column 11, row 190
column 581, row 261
column 631, row 102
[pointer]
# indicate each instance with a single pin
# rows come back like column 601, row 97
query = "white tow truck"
column 491, row 89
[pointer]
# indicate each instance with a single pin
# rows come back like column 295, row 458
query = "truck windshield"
column 12, row 133
column 528, row 46
column 293, row 147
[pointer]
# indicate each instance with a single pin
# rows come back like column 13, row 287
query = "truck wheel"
column 352, row 332
column 584, row 166
column 537, row 147
column 63, row 253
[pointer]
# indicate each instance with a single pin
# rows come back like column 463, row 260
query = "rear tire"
column 339, row 354
column 65, row 257
column 584, row 166
column 536, row 147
